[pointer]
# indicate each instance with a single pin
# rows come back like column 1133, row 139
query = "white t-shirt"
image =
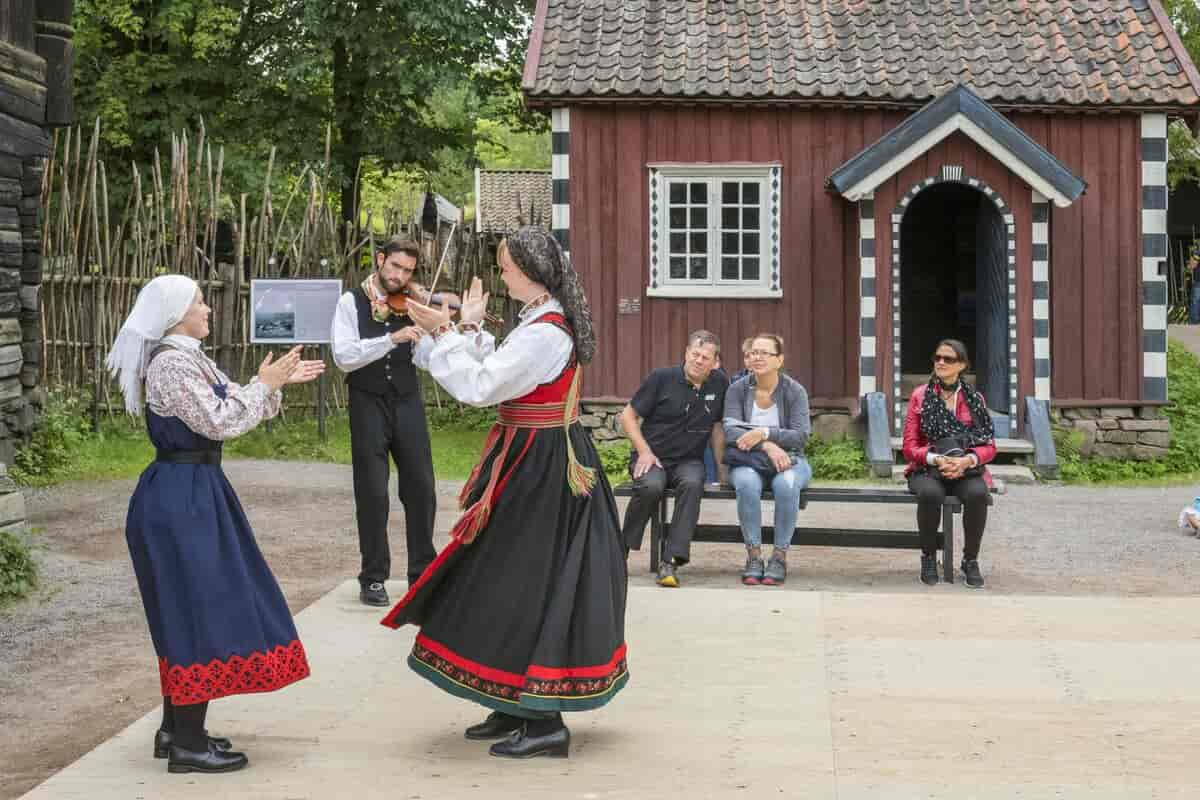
column 764, row 417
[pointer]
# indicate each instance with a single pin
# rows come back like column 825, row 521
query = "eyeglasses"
column 760, row 354
column 945, row 359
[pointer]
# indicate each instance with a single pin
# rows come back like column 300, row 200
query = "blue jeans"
column 1194, row 305
column 710, row 466
column 785, row 486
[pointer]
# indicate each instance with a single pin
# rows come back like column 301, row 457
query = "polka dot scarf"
column 938, row 422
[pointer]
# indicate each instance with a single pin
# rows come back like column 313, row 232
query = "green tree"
column 1184, row 164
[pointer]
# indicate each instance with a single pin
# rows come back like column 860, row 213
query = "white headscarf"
column 160, row 306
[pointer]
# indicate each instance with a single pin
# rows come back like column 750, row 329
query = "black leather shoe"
column 374, row 594
column 211, row 760
column 518, row 745
column 972, row 577
column 929, row 573
column 496, row 726
column 162, row 741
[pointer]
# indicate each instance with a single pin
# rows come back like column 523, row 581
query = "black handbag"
column 755, row 459
column 954, row 447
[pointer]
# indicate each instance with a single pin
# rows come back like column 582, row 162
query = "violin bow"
column 441, row 262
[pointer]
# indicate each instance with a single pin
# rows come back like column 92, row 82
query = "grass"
column 121, row 449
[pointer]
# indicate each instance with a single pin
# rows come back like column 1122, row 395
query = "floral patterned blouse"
column 182, row 383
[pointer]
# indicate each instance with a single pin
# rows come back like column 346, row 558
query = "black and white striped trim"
column 560, row 174
column 1154, row 251
column 867, row 381
column 1041, row 296
column 954, row 174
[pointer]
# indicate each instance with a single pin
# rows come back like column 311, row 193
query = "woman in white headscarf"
column 219, row 622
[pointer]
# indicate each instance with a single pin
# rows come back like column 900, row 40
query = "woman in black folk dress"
column 524, row 611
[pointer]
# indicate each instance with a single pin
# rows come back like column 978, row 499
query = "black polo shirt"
column 677, row 419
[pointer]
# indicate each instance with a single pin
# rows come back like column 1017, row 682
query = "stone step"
column 1021, row 447
column 1002, row 474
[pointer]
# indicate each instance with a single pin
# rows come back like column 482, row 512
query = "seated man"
column 672, row 416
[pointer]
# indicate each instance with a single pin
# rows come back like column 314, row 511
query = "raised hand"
column 474, row 306
column 306, row 371
column 274, row 372
column 428, row 317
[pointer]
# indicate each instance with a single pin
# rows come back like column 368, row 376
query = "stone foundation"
column 1141, row 434
column 604, row 422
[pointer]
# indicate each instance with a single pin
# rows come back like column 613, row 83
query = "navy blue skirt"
column 219, row 621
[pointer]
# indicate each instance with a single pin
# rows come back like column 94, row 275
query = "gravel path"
column 76, row 663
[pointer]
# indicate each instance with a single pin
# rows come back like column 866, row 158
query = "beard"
column 383, row 284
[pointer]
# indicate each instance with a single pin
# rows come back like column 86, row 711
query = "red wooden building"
column 865, row 178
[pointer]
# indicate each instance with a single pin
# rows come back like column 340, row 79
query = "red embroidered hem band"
column 257, row 672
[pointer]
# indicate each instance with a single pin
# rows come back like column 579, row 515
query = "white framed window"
column 714, row 230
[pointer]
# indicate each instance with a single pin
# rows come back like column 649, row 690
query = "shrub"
column 62, row 427
column 836, row 459
column 18, row 571
column 614, row 457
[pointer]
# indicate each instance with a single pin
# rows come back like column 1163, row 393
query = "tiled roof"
column 506, row 199
column 1041, row 52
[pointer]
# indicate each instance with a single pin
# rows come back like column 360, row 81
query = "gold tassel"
column 581, row 479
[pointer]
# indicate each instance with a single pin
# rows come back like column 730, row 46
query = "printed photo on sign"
column 292, row 311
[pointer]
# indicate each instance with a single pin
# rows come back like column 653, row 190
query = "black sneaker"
column 929, row 572
column 971, row 574
column 374, row 594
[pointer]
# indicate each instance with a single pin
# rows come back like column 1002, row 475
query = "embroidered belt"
column 537, row 415
column 189, row 456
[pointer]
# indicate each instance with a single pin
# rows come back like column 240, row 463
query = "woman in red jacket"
column 948, row 408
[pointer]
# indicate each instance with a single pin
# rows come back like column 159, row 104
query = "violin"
column 398, row 302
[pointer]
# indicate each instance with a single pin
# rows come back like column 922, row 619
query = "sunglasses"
column 939, row 359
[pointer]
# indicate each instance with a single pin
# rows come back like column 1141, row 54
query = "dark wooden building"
column 35, row 94
column 866, row 178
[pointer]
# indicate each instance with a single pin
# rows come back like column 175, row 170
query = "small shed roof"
column 505, row 197
column 958, row 110
column 1033, row 52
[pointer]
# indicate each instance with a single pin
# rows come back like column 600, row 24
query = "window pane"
column 750, row 243
column 699, row 243
column 678, row 242
column 699, row 192
column 699, row 268
column 678, row 268
column 749, row 269
column 700, row 218
column 729, row 218
column 749, row 218
column 729, row 269
column 678, row 217
column 729, row 192
column 678, row 193
column 729, row 244
column 750, row 194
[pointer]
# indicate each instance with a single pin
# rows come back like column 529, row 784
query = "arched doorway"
column 954, row 283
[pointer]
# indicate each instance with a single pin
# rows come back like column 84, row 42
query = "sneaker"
column 752, row 575
column 373, row 594
column 776, row 572
column 666, row 574
column 929, row 572
column 971, row 574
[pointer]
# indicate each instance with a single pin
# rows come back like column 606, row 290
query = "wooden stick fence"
column 177, row 220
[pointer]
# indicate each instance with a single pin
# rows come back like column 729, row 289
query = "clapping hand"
column 428, row 317
column 475, row 304
column 288, row 368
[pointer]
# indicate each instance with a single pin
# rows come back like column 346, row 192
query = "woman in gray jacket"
column 766, row 420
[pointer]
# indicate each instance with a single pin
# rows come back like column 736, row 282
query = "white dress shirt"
column 477, row 372
column 350, row 351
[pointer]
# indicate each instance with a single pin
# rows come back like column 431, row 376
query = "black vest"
column 395, row 371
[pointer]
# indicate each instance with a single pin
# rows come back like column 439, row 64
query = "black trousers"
column 686, row 479
column 382, row 426
column 931, row 490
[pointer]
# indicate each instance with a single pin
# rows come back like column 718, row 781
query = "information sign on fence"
column 292, row 311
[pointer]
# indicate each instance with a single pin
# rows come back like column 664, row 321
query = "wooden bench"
column 821, row 537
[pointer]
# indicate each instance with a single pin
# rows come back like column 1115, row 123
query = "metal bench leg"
column 656, row 533
column 948, row 543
